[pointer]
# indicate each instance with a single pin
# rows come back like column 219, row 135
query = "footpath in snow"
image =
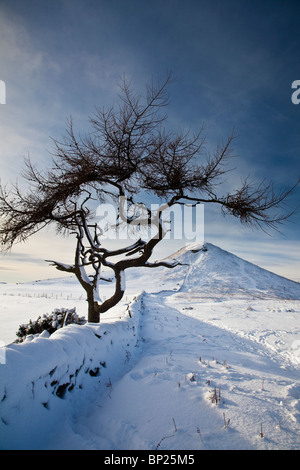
column 192, row 386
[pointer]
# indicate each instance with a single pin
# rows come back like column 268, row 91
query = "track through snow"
column 210, row 360
column 167, row 400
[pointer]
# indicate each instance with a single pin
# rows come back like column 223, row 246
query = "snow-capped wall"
column 46, row 378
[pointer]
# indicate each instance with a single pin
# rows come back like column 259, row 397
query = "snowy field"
column 204, row 356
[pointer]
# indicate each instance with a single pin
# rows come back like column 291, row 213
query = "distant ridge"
column 205, row 269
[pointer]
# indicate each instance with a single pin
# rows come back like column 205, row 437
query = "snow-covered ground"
column 204, row 356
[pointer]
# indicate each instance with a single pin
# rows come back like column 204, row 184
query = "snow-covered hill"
column 216, row 271
column 203, row 356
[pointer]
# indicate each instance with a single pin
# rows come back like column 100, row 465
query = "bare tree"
column 128, row 153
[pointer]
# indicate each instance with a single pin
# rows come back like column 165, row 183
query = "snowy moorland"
column 203, row 356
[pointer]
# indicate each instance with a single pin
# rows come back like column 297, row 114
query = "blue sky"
column 233, row 63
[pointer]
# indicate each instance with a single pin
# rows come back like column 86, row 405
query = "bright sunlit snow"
column 203, row 356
